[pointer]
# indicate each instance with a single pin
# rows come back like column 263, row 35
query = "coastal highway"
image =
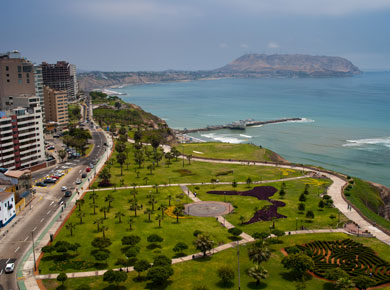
column 34, row 218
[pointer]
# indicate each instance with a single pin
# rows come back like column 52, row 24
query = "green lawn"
column 170, row 230
column 245, row 206
column 366, row 197
column 229, row 151
column 192, row 172
column 203, row 271
column 89, row 149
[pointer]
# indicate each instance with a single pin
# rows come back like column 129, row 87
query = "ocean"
column 346, row 124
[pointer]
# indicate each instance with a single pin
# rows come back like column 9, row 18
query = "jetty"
column 237, row 125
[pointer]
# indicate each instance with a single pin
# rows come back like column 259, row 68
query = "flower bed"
column 169, row 212
column 268, row 212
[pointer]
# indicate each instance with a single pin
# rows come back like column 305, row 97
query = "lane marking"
column 42, row 219
column 51, row 203
column 49, row 212
column 1, row 273
column 8, row 260
column 26, row 238
column 34, row 229
column 17, row 249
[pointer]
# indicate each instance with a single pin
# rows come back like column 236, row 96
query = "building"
column 7, row 204
column 21, row 123
column 56, row 108
column 61, row 77
column 39, row 88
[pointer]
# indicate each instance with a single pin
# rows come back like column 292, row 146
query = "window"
column 7, row 75
column 28, row 81
column 19, row 68
column 7, row 68
column 7, row 81
column 19, row 82
column 19, row 76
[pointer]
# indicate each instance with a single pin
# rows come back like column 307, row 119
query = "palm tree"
column 156, row 187
column 162, row 207
column 131, row 222
column 152, row 201
column 105, row 174
column 98, row 222
column 178, row 211
column 148, row 211
column 104, row 229
column 249, row 181
column 258, row 252
column 119, row 215
column 70, row 226
column 80, row 215
column 62, row 154
column 121, row 158
column 94, row 206
column 189, row 157
column 150, row 167
column 257, row 272
column 146, row 180
column 134, row 205
column 104, row 209
column 79, row 203
column 169, row 199
column 159, row 219
column 139, row 158
column 109, row 198
column 93, row 195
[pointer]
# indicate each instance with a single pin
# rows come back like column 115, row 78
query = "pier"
column 238, row 125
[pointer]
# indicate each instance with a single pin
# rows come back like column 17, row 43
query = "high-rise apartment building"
column 56, row 107
column 60, row 77
column 21, row 127
column 39, row 88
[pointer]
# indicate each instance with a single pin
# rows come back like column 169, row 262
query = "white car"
column 64, row 188
column 78, row 181
column 9, row 268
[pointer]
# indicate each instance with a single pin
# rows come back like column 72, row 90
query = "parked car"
column 78, row 181
column 49, row 180
column 56, row 136
column 91, row 165
column 88, row 169
column 84, row 175
column 50, row 148
column 40, row 184
column 64, row 188
column 68, row 193
column 55, row 177
column 9, row 268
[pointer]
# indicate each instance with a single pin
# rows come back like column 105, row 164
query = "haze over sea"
column 346, row 127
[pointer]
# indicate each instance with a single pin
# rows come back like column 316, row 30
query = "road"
column 35, row 217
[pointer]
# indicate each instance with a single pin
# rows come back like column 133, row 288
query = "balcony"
column 3, row 138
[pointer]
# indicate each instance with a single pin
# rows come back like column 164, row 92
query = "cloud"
column 223, row 45
column 308, row 7
column 244, row 45
column 272, row 44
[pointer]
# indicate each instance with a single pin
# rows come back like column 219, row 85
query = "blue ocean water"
column 346, row 127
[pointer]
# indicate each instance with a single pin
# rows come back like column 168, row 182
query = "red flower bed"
column 268, row 212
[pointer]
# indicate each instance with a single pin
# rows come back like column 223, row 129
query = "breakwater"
column 238, row 125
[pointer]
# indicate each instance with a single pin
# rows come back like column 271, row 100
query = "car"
column 56, row 136
column 55, row 177
column 88, row 169
column 50, row 148
column 68, row 193
column 9, row 268
column 64, row 188
column 91, row 165
column 78, row 181
column 84, row 175
column 40, row 184
column 49, row 180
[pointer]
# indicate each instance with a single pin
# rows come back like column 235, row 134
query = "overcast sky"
column 131, row 35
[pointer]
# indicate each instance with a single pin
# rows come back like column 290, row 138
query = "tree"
column 362, row 282
column 141, row 266
column 310, row 214
column 306, row 191
column 335, row 274
column 109, row 198
column 159, row 219
column 189, row 157
column 298, row 263
column 98, row 222
column 178, row 211
column 104, row 209
column 62, row 278
column 93, row 195
column 282, row 193
column 249, row 181
column 242, row 219
column 94, row 206
column 105, row 174
column 204, row 243
column 104, row 229
column 302, row 197
column 153, row 238
column 121, row 158
column 226, row 274
column 79, row 203
column 116, row 277
column 122, row 131
column 169, row 199
column 148, row 211
column 70, row 226
column 80, row 215
column 258, row 273
column 161, row 260
column 119, row 215
column 344, row 283
column 101, row 243
column 162, row 207
column 134, row 205
column 235, row 232
column 261, row 235
column 259, row 252
column 301, row 206
column 139, row 158
column 234, row 184
column 321, row 204
column 278, row 233
column 62, row 154
column 168, row 156
column 159, row 274
column 137, row 136
column 131, row 222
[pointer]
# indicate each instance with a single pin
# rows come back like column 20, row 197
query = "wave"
column 223, row 138
column 246, row 136
column 257, row 126
column 370, row 141
column 303, row 120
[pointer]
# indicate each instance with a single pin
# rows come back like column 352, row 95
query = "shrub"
column 131, row 240
column 159, row 274
column 161, row 260
column 260, row 235
column 335, row 274
column 301, row 207
column 131, row 252
column 197, row 232
column 153, row 246
column 310, row 214
column 235, row 231
column 154, row 238
column 292, row 250
column 302, row 197
column 226, row 274
column 101, row 243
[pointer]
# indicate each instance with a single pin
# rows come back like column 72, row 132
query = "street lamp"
column 33, row 250
column 238, row 265
column 296, row 223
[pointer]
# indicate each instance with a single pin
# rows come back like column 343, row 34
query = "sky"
column 155, row 35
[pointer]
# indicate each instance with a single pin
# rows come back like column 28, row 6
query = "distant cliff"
column 249, row 65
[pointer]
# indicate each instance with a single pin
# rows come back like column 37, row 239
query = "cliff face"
column 249, row 65
column 291, row 64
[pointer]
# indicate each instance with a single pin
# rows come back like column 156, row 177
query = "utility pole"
column 33, row 250
column 238, row 265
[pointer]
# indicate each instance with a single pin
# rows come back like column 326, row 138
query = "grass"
column 202, row 272
column 230, row 151
column 170, row 230
column 89, row 149
column 367, row 199
column 195, row 172
column 245, row 206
